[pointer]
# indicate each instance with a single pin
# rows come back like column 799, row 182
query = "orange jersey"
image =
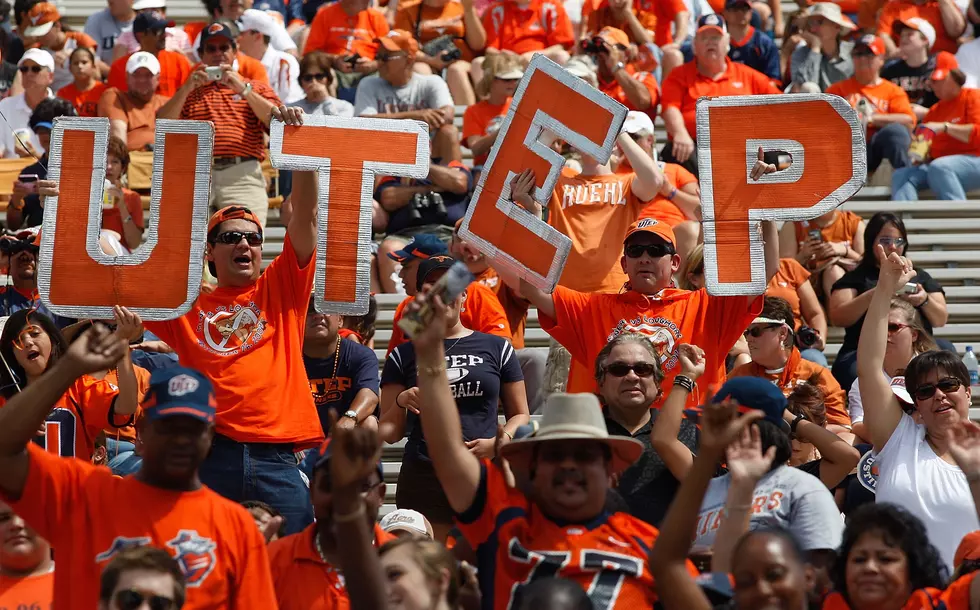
column 786, row 285
column 128, row 433
column 89, row 515
column 515, row 307
column 921, row 599
column 616, row 91
column 477, row 120
column 660, row 207
column 797, row 371
column 481, row 312
column 249, row 342
column 535, row 27
column 842, row 229
column 335, row 32
column 587, row 321
column 594, row 212
column 174, row 71
column 516, row 544
column 964, row 109
column 685, row 85
column 901, row 10
column 85, row 102
column 656, row 16
column 957, row 595
column 302, row 580
column 886, row 97
column 33, row 592
column 426, row 23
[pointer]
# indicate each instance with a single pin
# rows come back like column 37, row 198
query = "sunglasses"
column 888, row 242
column 309, row 78
column 131, row 600
column 895, row 327
column 32, row 331
column 756, row 331
column 653, row 250
column 622, row 369
column 927, row 391
column 232, row 238
column 34, row 69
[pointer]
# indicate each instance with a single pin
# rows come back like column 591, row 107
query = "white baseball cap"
column 142, row 59
column 258, row 21
column 142, row 5
column 897, row 385
column 407, row 520
column 38, row 56
column 923, row 27
column 637, row 121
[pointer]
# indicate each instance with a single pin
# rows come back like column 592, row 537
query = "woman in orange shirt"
column 85, row 91
column 124, row 215
column 828, row 246
column 482, row 120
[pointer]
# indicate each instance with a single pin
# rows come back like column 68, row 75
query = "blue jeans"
column 814, row 355
column 948, row 177
column 890, row 142
column 122, row 458
column 259, row 471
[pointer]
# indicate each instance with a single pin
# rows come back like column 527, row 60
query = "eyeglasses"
column 34, row 69
column 888, row 242
column 217, row 49
column 654, row 250
column 756, row 331
column 131, row 599
column 32, row 331
column 232, row 238
column 622, row 369
column 309, row 78
column 927, row 391
column 895, row 327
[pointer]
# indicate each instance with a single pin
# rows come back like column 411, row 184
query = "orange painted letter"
column 826, row 141
column 162, row 278
column 348, row 153
column 548, row 99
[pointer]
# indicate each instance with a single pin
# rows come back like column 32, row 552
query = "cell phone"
column 448, row 287
column 814, row 234
column 29, row 182
column 910, row 288
column 213, row 72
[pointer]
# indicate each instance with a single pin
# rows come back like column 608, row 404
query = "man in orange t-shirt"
column 347, row 31
column 150, row 31
column 26, row 567
column 644, row 21
column 89, row 514
column 709, row 74
column 897, row 11
column 881, row 103
column 618, row 77
column 304, row 569
column 132, row 110
column 584, row 322
column 526, row 27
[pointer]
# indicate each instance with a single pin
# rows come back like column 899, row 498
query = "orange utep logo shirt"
column 35, row 592
column 89, row 515
column 249, row 342
column 586, row 322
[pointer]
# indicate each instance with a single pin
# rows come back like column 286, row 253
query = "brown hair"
column 432, row 558
column 694, row 265
column 492, row 66
column 119, row 150
column 316, row 59
column 149, row 558
column 623, row 339
column 924, row 341
column 776, row 308
column 807, row 399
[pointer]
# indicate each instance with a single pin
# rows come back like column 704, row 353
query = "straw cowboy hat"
column 831, row 12
column 573, row 417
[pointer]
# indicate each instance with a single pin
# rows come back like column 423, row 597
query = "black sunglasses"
column 622, row 369
column 309, row 78
column 131, row 600
column 756, row 331
column 654, row 250
column 232, row 238
column 927, row 391
column 34, row 69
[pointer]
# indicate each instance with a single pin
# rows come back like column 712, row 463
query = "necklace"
column 458, row 339
column 336, row 361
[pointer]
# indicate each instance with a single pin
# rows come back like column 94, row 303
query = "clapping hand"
column 721, row 425
column 354, row 455
column 129, row 325
column 964, row 446
column 896, row 271
column 692, row 360
column 744, row 456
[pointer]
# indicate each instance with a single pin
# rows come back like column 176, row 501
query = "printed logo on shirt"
column 456, row 372
column 609, row 193
column 867, row 472
column 120, row 544
column 664, row 335
column 765, row 503
column 329, row 389
column 194, row 555
column 228, row 333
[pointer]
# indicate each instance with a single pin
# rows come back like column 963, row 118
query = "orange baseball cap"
column 40, row 19
column 233, row 212
column 398, row 40
column 614, row 36
column 651, row 225
column 872, row 43
column 969, row 548
column 945, row 62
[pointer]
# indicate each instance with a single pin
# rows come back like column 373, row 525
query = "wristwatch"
column 619, row 66
column 351, row 413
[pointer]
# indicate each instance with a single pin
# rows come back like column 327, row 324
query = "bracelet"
column 673, row 193
column 397, row 397
column 685, row 382
column 351, row 516
column 246, row 90
column 508, row 435
column 432, row 371
column 795, row 423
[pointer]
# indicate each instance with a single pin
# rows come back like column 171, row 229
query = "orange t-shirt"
column 302, row 580
column 964, row 109
column 335, row 32
column 842, row 229
column 478, row 118
column 117, row 105
column 481, row 312
column 112, row 217
column 89, row 515
column 655, row 15
column 128, row 433
column 886, row 97
column 660, row 207
column 174, row 70
column 786, row 284
column 249, row 342
column 901, row 10
column 514, row 306
column 31, row 592
column 85, row 102
column 587, row 321
column 535, row 27
column 957, row 595
column 594, row 212
column 433, row 22
column 685, row 85
column 921, row 599
column 252, row 69
column 797, row 371
column 615, row 90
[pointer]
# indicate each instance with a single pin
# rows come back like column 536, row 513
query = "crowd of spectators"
column 668, row 449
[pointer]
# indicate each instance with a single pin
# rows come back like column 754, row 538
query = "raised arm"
column 520, row 192
column 302, row 221
column 663, row 436
column 128, row 327
column 882, row 413
column 838, row 458
column 649, row 179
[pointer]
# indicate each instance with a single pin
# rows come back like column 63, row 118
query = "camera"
column 444, row 48
column 806, row 337
column 11, row 245
column 213, row 72
column 421, row 202
column 593, row 46
column 352, row 59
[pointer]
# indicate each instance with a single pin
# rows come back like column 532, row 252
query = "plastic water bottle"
column 972, row 366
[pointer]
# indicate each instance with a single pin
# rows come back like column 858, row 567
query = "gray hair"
column 623, row 339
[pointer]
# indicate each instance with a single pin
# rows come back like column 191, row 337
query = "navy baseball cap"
column 218, row 29
column 756, row 393
column 320, row 456
column 433, row 263
column 737, row 4
column 179, row 391
column 151, row 20
column 712, row 21
column 423, row 246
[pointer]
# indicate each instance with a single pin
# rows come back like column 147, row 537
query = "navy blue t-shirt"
column 358, row 369
column 477, row 365
column 758, row 52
